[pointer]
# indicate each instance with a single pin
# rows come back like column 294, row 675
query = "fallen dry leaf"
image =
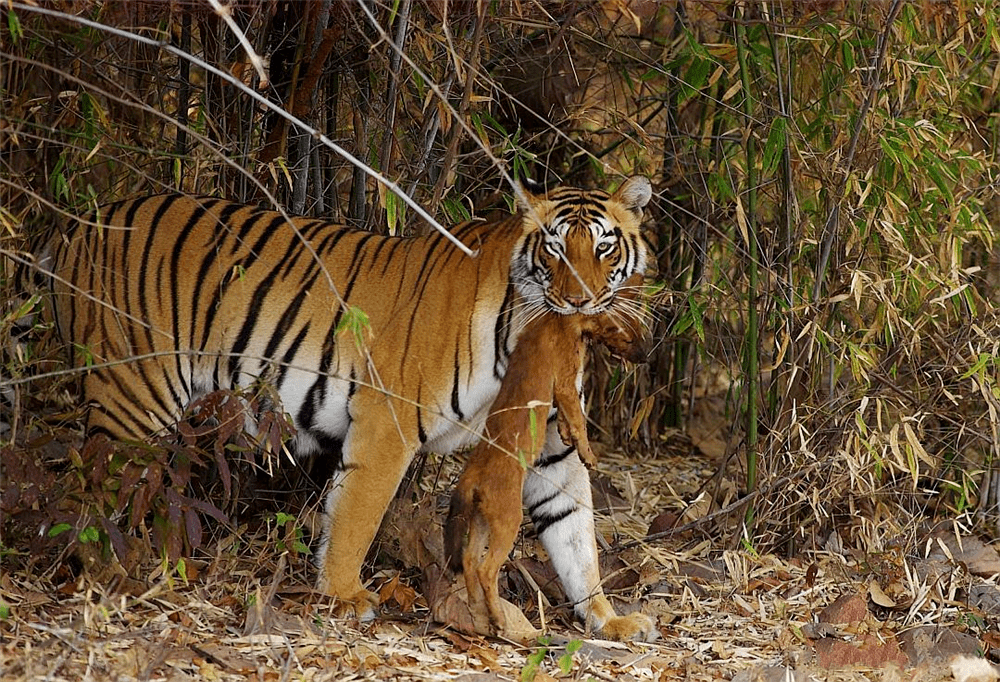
column 394, row 590
column 880, row 597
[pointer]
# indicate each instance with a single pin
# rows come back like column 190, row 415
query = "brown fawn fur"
column 485, row 512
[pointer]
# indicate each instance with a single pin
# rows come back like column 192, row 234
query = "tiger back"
column 383, row 346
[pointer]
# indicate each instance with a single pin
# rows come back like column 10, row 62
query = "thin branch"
column 402, row 26
column 226, row 13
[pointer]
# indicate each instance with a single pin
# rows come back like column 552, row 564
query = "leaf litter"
column 723, row 612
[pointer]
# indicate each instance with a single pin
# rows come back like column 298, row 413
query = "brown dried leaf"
column 880, row 597
column 396, row 591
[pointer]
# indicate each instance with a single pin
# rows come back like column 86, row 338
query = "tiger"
column 545, row 369
column 378, row 347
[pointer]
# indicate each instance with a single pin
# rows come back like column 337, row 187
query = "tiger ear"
column 529, row 194
column 634, row 193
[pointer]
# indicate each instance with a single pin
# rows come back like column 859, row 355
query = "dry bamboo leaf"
column 729, row 94
column 741, row 221
column 641, row 413
column 856, row 288
column 880, row 597
column 894, row 446
column 914, row 442
column 954, row 292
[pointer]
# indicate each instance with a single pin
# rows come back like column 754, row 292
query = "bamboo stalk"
column 830, row 230
column 304, row 142
column 332, row 100
column 751, row 367
column 183, row 95
column 777, row 403
column 395, row 61
column 472, row 70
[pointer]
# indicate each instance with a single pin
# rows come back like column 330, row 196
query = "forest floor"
column 926, row 610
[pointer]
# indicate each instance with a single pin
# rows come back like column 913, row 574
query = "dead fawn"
column 486, row 507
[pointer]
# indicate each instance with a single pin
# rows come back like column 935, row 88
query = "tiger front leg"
column 347, row 535
column 375, row 457
column 557, row 494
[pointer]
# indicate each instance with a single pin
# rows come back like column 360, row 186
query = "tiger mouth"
column 590, row 307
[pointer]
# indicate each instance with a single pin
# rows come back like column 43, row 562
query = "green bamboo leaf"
column 695, row 47
column 938, row 178
column 391, row 206
column 981, row 363
column 692, row 317
column 695, row 77
column 775, row 145
column 354, row 320
column 14, row 26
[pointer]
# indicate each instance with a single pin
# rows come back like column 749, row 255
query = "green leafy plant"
column 355, row 322
column 534, row 660
column 565, row 661
column 290, row 535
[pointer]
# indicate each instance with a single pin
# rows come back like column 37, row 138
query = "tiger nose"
column 576, row 301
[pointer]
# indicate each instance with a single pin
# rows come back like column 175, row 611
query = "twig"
column 724, row 511
column 518, row 191
column 395, row 58
column 428, row 133
column 226, row 12
column 516, row 188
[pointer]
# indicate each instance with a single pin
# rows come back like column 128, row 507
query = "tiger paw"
column 362, row 605
column 637, row 627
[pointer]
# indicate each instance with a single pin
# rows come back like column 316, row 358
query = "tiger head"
column 581, row 247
